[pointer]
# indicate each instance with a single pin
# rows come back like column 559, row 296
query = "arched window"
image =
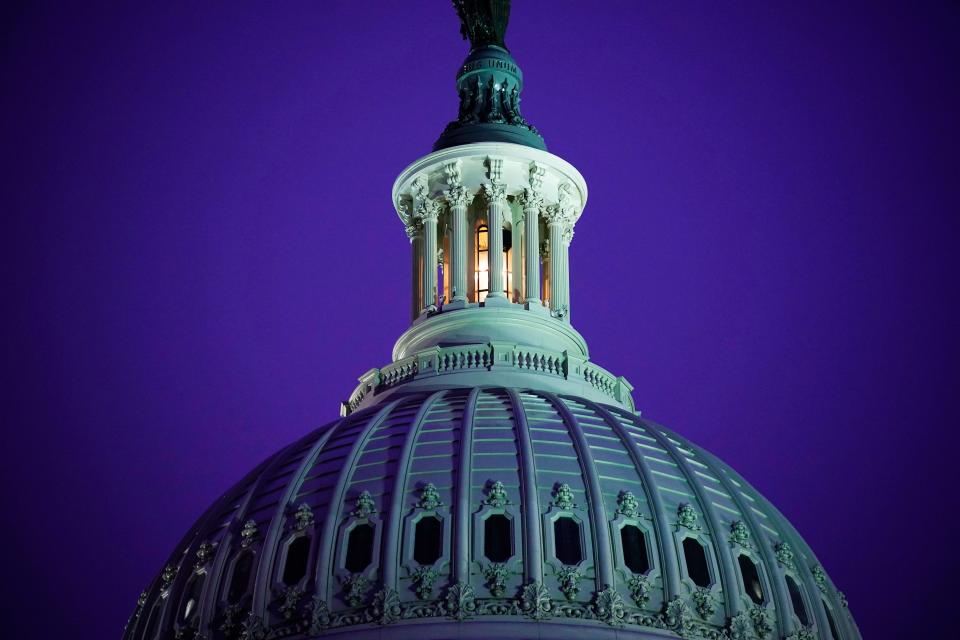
column 751, row 579
column 833, row 624
column 428, row 540
column 796, row 598
column 695, row 557
column 482, row 274
column 153, row 620
column 191, row 599
column 634, row 545
column 298, row 552
column 359, row 548
column 240, row 579
column 566, row 540
column 497, row 538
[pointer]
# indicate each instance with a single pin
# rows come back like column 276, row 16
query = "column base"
column 537, row 307
column 497, row 301
column 456, row 303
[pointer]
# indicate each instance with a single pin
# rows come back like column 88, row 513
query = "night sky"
column 200, row 257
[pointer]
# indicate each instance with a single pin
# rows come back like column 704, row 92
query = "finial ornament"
column 483, row 22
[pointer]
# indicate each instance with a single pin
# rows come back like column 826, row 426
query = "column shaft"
column 557, row 255
column 458, row 252
column 429, row 261
column 531, row 253
column 416, row 280
column 495, row 260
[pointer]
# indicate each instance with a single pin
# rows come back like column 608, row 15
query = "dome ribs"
column 529, row 500
column 461, row 529
column 780, row 598
column 788, row 533
column 598, row 515
column 391, row 556
column 553, row 457
column 325, row 551
column 261, row 589
column 666, row 548
column 209, row 596
column 731, row 590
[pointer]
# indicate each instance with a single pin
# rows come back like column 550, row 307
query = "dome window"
column 497, row 536
column 240, row 580
column 295, row 567
column 359, row 548
column 695, row 557
column 751, row 579
column 427, row 540
column 566, row 540
column 833, row 624
column 796, row 598
column 192, row 597
column 634, row 545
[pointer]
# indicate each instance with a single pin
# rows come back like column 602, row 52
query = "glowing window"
column 751, row 579
column 482, row 275
column 192, row 597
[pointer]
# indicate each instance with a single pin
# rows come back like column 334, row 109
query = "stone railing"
column 439, row 361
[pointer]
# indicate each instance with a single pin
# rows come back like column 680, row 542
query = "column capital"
column 495, row 192
column 530, row 199
column 411, row 225
column 425, row 208
column 565, row 210
column 456, row 195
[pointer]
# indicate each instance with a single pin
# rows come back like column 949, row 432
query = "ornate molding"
column 784, row 554
column 429, row 497
column 303, row 517
column 627, row 504
column 739, row 534
column 496, row 574
column 687, row 516
column 364, row 507
column 535, row 601
column 496, row 495
column 563, row 497
column 569, row 579
column 460, row 602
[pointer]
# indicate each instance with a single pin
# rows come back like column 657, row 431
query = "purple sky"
column 201, row 256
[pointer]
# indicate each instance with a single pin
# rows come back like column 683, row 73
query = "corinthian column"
column 413, row 230
column 427, row 210
column 496, row 194
column 560, row 218
column 457, row 198
column 532, row 204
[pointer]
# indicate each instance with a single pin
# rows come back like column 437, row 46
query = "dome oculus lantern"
column 492, row 480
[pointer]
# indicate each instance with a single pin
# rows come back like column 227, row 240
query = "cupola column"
column 457, row 199
column 427, row 210
column 413, row 230
column 496, row 194
column 532, row 203
column 560, row 219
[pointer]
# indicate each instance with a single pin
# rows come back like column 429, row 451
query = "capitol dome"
column 491, row 481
